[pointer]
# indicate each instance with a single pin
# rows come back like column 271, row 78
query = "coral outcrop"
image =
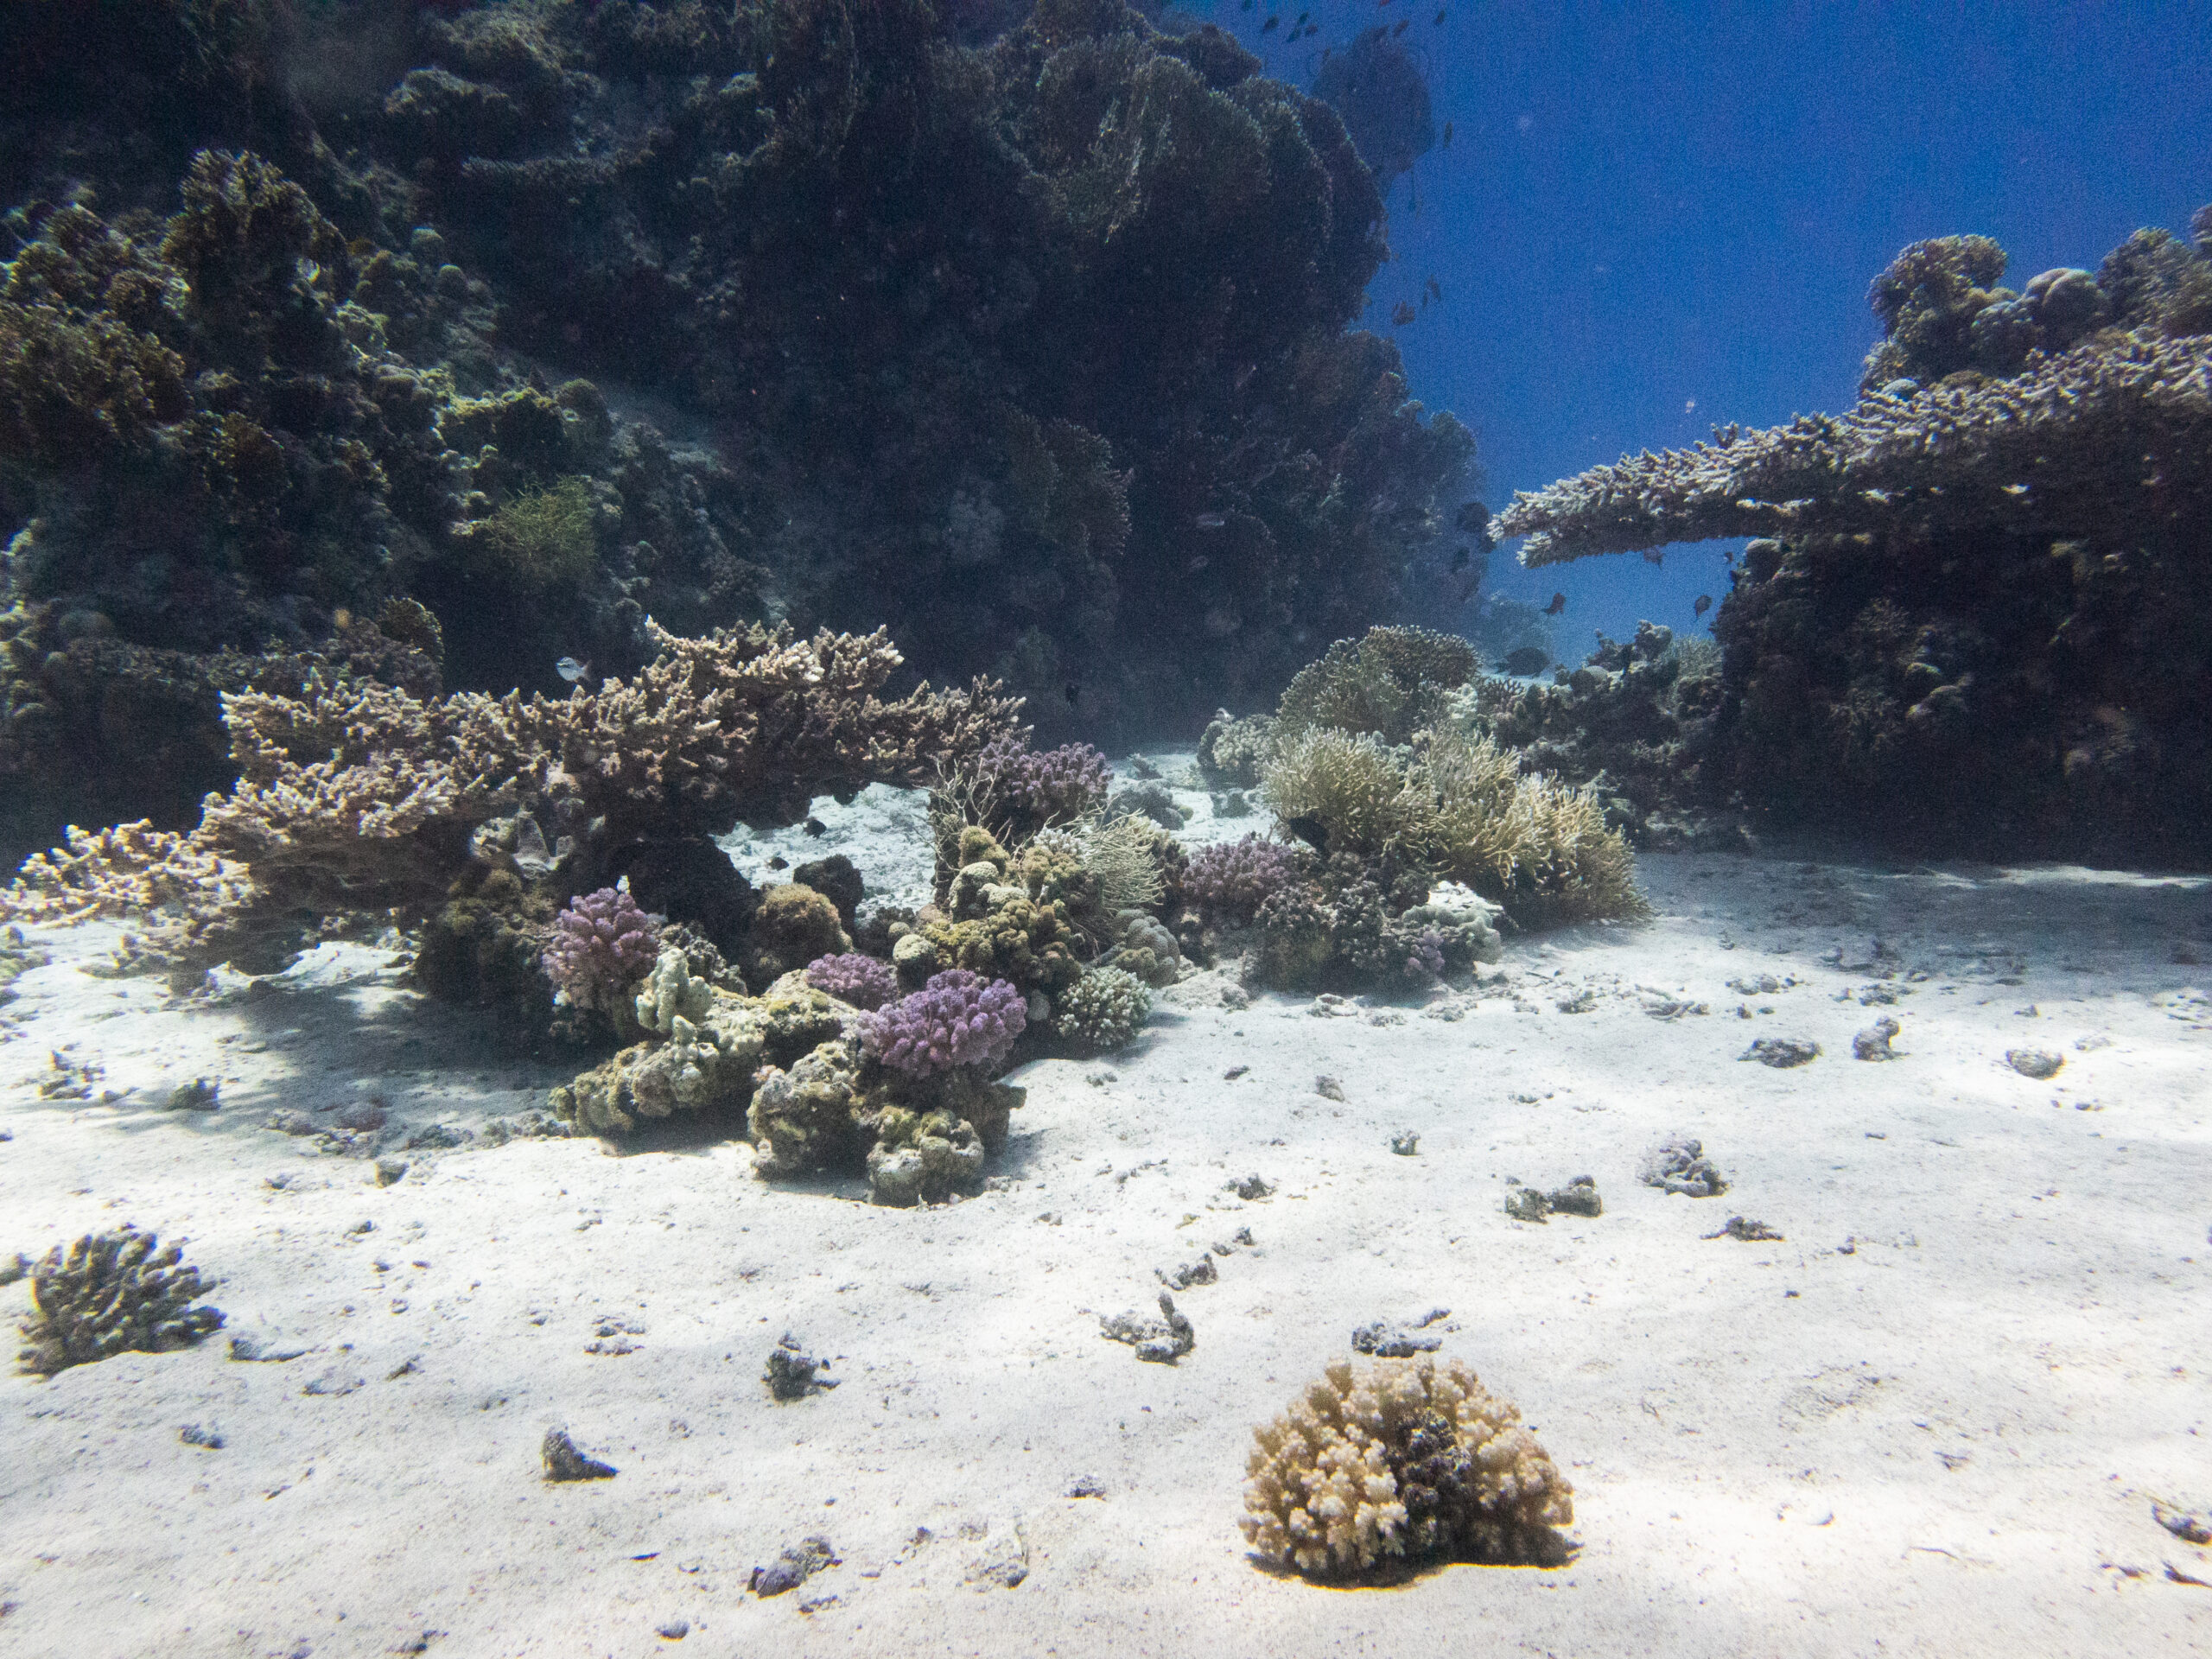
column 1068, row 399
column 1974, row 618
column 1398, row 1463
column 110, row 1293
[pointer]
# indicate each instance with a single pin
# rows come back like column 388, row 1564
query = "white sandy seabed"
column 1932, row 1418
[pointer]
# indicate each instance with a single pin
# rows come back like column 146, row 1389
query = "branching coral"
column 1102, row 1011
column 111, row 1293
column 956, row 1019
column 1230, row 879
column 360, row 797
column 1402, row 1461
column 864, row 981
column 2106, row 433
column 1390, row 682
column 602, row 945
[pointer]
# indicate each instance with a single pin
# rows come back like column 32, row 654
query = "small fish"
column 1435, row 290
column 1527, row 661
column 570, row 670
column 1403, row 313
column 1210, row 521
column 780, row 862
column 1312, row 831
column 1272, row 22
column 1404, row 24
column 1439, row 14
column 1302, row 16
column 1447, row 126
column 1558, row 604
column 1071, row 693
column 1704, row 604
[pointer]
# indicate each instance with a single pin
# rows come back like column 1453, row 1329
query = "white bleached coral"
column 1402, row 1460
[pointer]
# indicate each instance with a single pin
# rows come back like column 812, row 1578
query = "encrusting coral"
column 1398, row 1463
column 112, row 1293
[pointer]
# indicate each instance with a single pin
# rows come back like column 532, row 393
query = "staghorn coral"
column 602, row 945
column 1102, row 1011
column 956, row 1019
column 1401, row 1462
column 866, row 983
column 110, row 1293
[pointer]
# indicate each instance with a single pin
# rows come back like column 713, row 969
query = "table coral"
column 1401, row 1460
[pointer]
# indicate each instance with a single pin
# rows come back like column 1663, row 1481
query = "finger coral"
column 956, row 1019
column 1102, row 1011
column 602, row 945
column 864, row 981
column 1402, row 1461
column 111, row 1293
column 1231, row 879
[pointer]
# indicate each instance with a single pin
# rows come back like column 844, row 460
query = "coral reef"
column 1402, row 1461
column 1390, row 682
column 1102, row 1011
column 1979, row 590
column 1068, row 399
column 111, row 1293
column 360, row 798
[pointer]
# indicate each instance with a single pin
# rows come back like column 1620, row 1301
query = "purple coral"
column 602, row 945
column 1032, row 789
column 864, row 981
column 957, row 1019
column 1233, row 879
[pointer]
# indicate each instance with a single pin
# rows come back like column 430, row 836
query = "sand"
column 1932, row 1417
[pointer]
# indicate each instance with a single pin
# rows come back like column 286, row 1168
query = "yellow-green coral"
column 1462, row 810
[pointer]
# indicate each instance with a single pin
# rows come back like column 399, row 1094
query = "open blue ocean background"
column 1653, row 218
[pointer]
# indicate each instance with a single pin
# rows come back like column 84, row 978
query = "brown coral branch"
column 2117, row 429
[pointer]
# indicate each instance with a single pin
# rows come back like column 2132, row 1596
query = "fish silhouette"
column 1404, row 24
column 1558, row 604
column 1704, row 604
column 1529, row 659
column 1403, row 313
column 1447, row 126
column 1272, row 22
column 570, row 670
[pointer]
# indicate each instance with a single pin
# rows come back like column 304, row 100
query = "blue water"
column 1654, row 217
